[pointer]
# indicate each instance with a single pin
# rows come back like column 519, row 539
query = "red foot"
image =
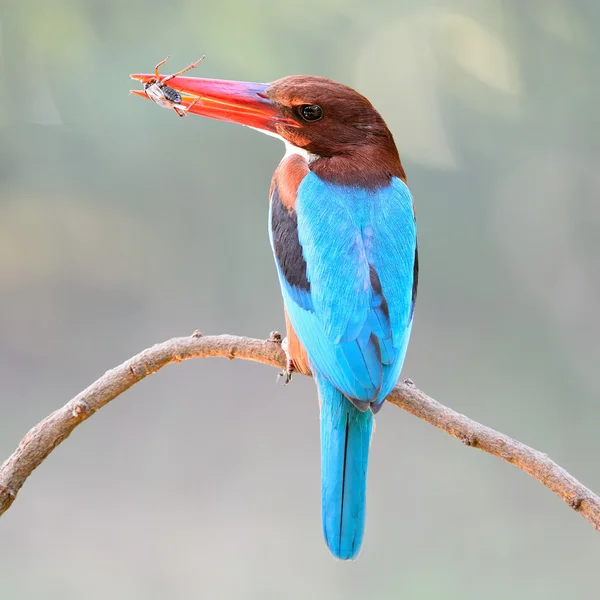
column 287, row 373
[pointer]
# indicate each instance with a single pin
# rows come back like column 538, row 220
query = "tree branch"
column 56, row 427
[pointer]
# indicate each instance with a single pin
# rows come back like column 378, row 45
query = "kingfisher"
column 343, row 233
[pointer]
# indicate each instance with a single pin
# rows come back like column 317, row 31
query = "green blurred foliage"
column 122, row 225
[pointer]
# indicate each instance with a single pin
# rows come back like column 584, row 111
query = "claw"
column 290, row 366
column 287, row 372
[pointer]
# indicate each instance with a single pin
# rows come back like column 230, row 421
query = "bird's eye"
column 310, row 112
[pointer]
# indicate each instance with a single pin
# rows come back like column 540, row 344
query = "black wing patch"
column 376, row 287
column 415, row 276
column 288, row 251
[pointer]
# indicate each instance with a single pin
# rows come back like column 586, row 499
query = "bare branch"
column 55, row 428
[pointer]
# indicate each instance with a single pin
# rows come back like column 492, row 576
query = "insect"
column 158, row 91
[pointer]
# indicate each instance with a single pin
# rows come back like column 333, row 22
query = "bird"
column 342, row 228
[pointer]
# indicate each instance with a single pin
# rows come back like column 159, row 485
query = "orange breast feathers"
column 296, row 350
column 288, row 176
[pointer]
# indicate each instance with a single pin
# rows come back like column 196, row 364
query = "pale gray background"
column 122, row 225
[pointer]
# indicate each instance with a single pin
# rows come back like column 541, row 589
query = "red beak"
column 235, row 101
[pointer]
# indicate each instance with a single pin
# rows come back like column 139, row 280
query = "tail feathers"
column 345, row 439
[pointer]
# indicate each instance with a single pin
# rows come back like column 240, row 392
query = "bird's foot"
column 289, row 367
column 287, row 372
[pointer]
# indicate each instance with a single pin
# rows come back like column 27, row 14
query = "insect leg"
column 192, row 66
column 160, row 64
column 192, row 103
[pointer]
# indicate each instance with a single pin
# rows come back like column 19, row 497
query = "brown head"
column 345, row 138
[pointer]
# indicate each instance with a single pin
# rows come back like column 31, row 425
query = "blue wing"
column 346, row 260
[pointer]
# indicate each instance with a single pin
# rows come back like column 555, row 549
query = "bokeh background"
column 122, row 225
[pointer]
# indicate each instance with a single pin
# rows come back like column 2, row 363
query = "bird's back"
column 349, row 297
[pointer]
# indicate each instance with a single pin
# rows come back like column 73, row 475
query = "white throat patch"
column 290, row 148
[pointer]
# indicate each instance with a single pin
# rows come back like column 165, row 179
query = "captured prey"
column 158, row 91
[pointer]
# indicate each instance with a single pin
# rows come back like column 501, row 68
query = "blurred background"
column 122, row 225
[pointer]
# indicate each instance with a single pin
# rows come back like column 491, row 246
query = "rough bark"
column 56, row 427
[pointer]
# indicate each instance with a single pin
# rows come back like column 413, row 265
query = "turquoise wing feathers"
column 349, row 280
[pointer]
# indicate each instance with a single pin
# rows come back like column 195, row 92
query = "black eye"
column 310, row 112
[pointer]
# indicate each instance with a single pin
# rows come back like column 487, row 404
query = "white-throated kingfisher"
column 342, row 228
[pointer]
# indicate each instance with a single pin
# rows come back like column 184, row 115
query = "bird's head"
column 312, row 114
column 329, row 118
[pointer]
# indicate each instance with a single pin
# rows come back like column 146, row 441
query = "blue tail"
column 345, row 438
